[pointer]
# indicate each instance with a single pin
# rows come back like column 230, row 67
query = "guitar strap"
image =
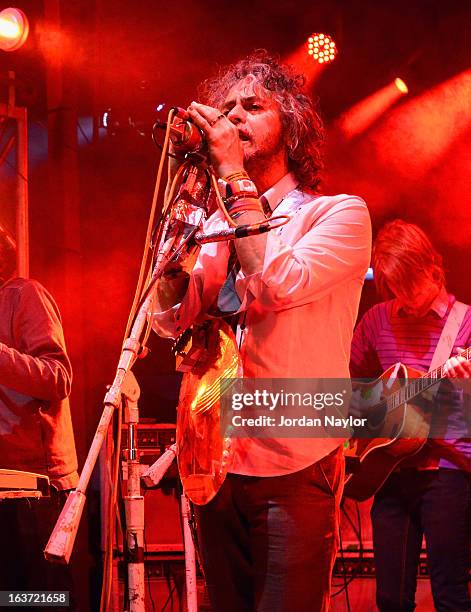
column 448, row 336
column 445, row 449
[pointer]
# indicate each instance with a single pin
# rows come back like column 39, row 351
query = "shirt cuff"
column 165, row 322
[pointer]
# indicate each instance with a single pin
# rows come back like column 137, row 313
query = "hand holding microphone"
column 222, row 136
column 201, row 127
column 185, row 136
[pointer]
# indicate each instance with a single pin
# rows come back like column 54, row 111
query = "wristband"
column 245, row 186
column 246, row 207
column 240, row 195
column 238, row 205
column 230, row 202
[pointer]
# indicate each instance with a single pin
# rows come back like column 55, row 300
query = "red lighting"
column 321, row 48
column 14, row 29
column 361, row 116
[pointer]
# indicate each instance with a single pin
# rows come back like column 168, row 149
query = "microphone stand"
column 124, row 388
column 151, row 478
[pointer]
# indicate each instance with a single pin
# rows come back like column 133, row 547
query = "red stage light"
column 361, row 116
column 321, row 48
column 14, row 29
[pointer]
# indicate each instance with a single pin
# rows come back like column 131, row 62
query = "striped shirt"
column 387, row 335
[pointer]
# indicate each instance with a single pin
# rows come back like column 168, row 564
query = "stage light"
column 321, row 48
column 361, row 116
column 14, row 29
column 399, row 83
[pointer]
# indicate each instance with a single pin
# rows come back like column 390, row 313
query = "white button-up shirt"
column 298, row 312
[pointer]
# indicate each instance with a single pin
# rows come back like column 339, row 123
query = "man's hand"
column 457, row 367
column 363, row 398
column 170, row 291
column 222, row 136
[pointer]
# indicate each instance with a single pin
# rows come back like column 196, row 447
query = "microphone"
column 184, row 134
column 242, row 231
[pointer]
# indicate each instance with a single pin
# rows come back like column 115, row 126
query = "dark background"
column 90, row 191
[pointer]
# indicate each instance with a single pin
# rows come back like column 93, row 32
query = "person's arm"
column 364, row 361
column 39, row 367
column 334, row 250
column 199, row 288
column 251, row 250
column 173, row 285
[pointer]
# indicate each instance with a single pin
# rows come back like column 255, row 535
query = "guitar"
column 398, row 428
column 207, row 353
column 209, row 358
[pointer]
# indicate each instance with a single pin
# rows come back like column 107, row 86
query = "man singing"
column 269, row 537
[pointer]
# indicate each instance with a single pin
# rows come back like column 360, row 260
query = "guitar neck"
column 417, row 385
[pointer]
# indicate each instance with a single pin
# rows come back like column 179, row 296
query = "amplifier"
column 152, row 438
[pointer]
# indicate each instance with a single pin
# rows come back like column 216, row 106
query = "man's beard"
column 260, row 159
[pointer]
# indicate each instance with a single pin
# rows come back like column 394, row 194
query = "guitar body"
column 203, row 452
column 395, row 433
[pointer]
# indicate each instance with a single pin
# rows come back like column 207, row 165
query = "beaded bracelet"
column 242, row 195
column 246, row 207
column 242, row 174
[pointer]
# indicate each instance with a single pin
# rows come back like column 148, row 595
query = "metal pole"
column 190, row 559
column 20, row 115
column 22, row 216
column 134, row 502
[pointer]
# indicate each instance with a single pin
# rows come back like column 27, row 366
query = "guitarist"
column 428, row 494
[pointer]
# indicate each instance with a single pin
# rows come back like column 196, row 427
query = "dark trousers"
column 268, row 544
column 25, row 527
column 413, row 503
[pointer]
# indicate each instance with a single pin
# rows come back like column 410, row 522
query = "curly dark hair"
column 7, row 256
column 303, row 128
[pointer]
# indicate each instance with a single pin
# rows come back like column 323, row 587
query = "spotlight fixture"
column 14, row 29
column 361, row 116
column 400, row 84
column 322, row 48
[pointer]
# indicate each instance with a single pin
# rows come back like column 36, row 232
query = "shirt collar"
column 442, row 302
column 279, row 190
column 439, row 306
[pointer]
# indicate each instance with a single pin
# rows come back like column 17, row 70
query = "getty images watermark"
column 288, row 408
column 341, row 408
